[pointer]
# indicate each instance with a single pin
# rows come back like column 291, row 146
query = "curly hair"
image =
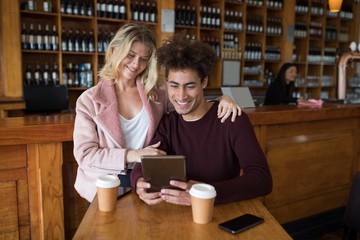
column 181, row 53
column 119, row 48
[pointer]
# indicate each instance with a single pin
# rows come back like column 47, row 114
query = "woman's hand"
column 227, row 106
column 135, row 155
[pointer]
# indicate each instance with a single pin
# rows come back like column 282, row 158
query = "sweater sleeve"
column 255, row 178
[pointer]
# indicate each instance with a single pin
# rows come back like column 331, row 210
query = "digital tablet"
column 159, row 170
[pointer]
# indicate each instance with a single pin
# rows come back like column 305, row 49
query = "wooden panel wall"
column 10, row 56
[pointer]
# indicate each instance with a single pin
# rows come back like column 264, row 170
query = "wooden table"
column 133, row 219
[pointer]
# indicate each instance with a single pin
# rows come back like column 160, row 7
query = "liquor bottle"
column 37, row 75
column 24, row 37
column 76, row 75
column 103, row 9
column 54, row 40
column 70, row 41
column 47, row 38
column 91, row 42
column 90, row 9
column 116, row 9
column 83, row 8
column 28, row 75
column 84, row 42
column 82, row 75
column 46, row 74
column 77, row 41
column 62, row 6
column 110, row 9
column 64, row 40
column 89, row 75
column 70, row 75
column 32, row 44
column 193, row 16
column 122, row 10
column 31, row 5
column 68, row 7
column 153, row 13
column 39, row 38
column 147, row 12
column 135, row 12
column 141, row 12
column 100, row 42
column 75, row 8
column 47, row 6
column 55, row 75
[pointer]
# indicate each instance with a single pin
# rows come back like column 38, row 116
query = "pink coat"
column 98, row 137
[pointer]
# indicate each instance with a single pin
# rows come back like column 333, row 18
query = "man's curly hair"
column 181, row 53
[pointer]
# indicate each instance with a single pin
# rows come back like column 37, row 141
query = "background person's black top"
column 278, row 94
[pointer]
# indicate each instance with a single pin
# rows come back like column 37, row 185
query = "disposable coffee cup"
column 202, row 202
column 107, row 189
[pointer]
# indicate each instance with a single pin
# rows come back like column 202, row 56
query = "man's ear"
column 205, row 82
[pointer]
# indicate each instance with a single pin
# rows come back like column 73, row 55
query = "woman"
column 281, row 90
column 116, row 119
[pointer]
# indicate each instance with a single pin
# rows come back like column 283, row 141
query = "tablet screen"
column 159, row 170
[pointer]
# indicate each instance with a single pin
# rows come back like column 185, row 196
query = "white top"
column 135, row 129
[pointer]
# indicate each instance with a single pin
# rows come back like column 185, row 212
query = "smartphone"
column 241, row 223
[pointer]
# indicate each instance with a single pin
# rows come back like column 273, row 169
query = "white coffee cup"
column 107, row 189
column 202, row 202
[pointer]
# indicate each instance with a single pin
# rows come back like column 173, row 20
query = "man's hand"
column 177, row 196
column 149, row 198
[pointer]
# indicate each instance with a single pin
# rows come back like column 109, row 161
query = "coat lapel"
column 107, row 115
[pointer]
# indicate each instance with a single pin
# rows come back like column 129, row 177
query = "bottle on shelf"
column 39, row 38
column 110, row 9
column 90, row 9
column 68, row 7
column 47, row 38
column 55, row 75
column 47, row 6
column 153, row 13
column 77, row 41
column 32, row 42
column 91, row 42
column 70, row 41
column 100, row 41
column 82, row 10
column 37, row 75
column 28, row 75
column 122, row 10
column 84, row 42
column 64, row 40
column 54, row 39
column 46, row 74
column 24, row 37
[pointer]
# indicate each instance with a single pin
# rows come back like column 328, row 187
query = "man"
column 225, row 155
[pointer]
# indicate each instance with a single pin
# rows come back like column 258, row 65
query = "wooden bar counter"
column 313, row 154
column 133, row 219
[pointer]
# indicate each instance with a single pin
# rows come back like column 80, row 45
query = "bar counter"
column 313, row 154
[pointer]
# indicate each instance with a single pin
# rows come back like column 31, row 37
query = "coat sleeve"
column 93, row 149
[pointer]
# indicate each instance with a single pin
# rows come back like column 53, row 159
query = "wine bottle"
column 24, row 37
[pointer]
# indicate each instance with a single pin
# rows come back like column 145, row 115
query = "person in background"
column 116, row 119
column 281, row 90
column 226, row 155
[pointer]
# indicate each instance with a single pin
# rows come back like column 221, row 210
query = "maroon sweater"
column 215, row 153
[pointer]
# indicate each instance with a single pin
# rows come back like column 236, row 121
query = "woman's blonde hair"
column 119, row 48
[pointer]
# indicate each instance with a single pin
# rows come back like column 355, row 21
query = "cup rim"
column 107, row 181
column 202, row 190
